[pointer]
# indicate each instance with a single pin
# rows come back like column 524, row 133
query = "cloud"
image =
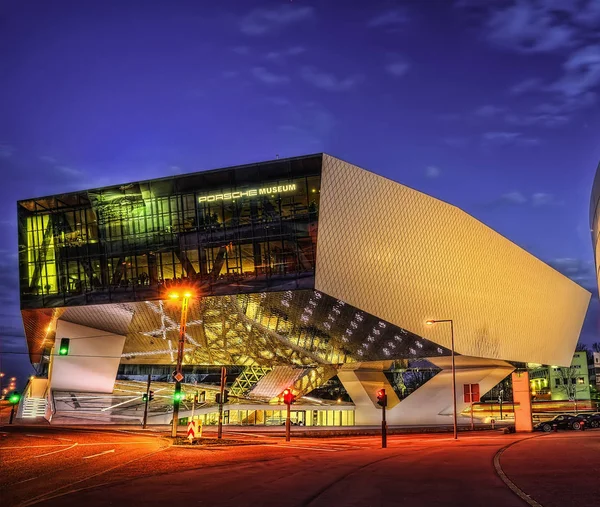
column 581, row 72
column 528, row 27
column 488, row 111
column 525, row 86
column 544, row 120
column 263, row 21
column 432, row 171
column 241, row 50
column 513, row 197
column 390, row 19
column 328, row 81
column 6, row 150
column 397, row 68
column 507, row 138
column 69, row 171
column 578, row 270
column 543, row 199
column 268, row 77
column 279, row 56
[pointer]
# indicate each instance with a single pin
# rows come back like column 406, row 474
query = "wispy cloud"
column 310, row 122
column 241, row 50
column 578, row 270
column 280, row 56
column 262, row 21
column 328, row 81
column 432, row 171
column 543, row 120
column 544, row 199
column 390, row 19
column 397, row 66
column 270, row 78
column 508, row 138
column 525, row 86
column 535, row 200
column 581, row 72
column 514, row 197
column 6, row 150
column 528, row 27
column 488, row 111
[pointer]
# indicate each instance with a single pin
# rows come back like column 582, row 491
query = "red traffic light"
column 381, row 398
column 288, row 397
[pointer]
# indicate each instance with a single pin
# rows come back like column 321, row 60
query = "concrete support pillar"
column 522, row 397
column 93, row 359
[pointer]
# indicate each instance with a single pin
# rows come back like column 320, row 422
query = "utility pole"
column 223, row 378
column 178, row 375
column 147, row 401
column 382, row 402
column 500, row 399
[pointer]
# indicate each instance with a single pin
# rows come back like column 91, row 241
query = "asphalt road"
column 52, row 466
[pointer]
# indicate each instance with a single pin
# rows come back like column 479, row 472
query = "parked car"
column 591, row 420
column 563, row 422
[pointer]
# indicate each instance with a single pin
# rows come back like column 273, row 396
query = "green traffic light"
column 14, row 398
column 63, row 351
column 178, row 396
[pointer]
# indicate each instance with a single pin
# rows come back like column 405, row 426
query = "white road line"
column 36, row 436
column 33, row 446
column 99, row 454
column 54, row 452
column 307, row 447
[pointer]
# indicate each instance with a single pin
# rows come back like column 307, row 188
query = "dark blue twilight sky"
column 489, row 105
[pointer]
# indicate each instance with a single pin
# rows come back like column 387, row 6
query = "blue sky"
column 489, row 105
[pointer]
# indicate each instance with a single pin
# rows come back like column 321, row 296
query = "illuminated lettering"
column 249, row 193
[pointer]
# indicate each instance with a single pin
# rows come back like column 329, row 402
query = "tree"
column 596, row 346
column 568, row 382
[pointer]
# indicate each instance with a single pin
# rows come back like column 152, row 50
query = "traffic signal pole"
column 147, row 401
column 383, row 428
column 288, row 423
column 12, row 414
column 177, row 396
column 220, row 428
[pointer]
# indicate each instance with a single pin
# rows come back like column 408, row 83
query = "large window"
column 245, row 229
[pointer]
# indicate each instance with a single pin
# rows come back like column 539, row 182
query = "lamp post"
column 185, row 296
column 431, row 322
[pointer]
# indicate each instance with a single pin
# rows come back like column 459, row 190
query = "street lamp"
column 184, row 295
column 431, row 322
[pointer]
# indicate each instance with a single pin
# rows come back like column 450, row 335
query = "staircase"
column 33, row 408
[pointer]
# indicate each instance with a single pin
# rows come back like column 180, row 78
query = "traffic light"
column 288, row 396
column 178, row 396
column 150, row 395
column 225, row 396
column 381, row 398
column 14, row 398
column 63, row 350
column 144, row 397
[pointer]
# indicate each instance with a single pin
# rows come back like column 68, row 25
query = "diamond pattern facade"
column 406, row 257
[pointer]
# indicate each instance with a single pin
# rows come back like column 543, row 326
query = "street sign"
column 177, row 376
column 192, row 431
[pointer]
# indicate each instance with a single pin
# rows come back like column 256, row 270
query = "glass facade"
column 238, row 230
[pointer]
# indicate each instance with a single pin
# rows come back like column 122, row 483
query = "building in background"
column 305, row 269
column 561, row 383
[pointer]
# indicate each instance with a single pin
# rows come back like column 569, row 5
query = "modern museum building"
column 305, row 273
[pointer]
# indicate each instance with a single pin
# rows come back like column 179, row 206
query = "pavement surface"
column 66, row 466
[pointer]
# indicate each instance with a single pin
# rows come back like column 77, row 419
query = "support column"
column 522, row 396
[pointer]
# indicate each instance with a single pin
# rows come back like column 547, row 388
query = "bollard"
column 493, row 421
column 555, row 428
column 582, row 426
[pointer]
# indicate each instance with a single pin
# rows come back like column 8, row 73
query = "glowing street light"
column 431, row 322
column 185, row 294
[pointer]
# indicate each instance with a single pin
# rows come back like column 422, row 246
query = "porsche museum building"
column 304, row 270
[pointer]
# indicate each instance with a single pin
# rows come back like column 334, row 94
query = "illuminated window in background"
column 581, row 380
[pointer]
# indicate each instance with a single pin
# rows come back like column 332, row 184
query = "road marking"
column 55, row 493
column 99, row 454
column 36, row 436
column 33, row 446
column 307, row 447
column 54, row 452
column 513, row 487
